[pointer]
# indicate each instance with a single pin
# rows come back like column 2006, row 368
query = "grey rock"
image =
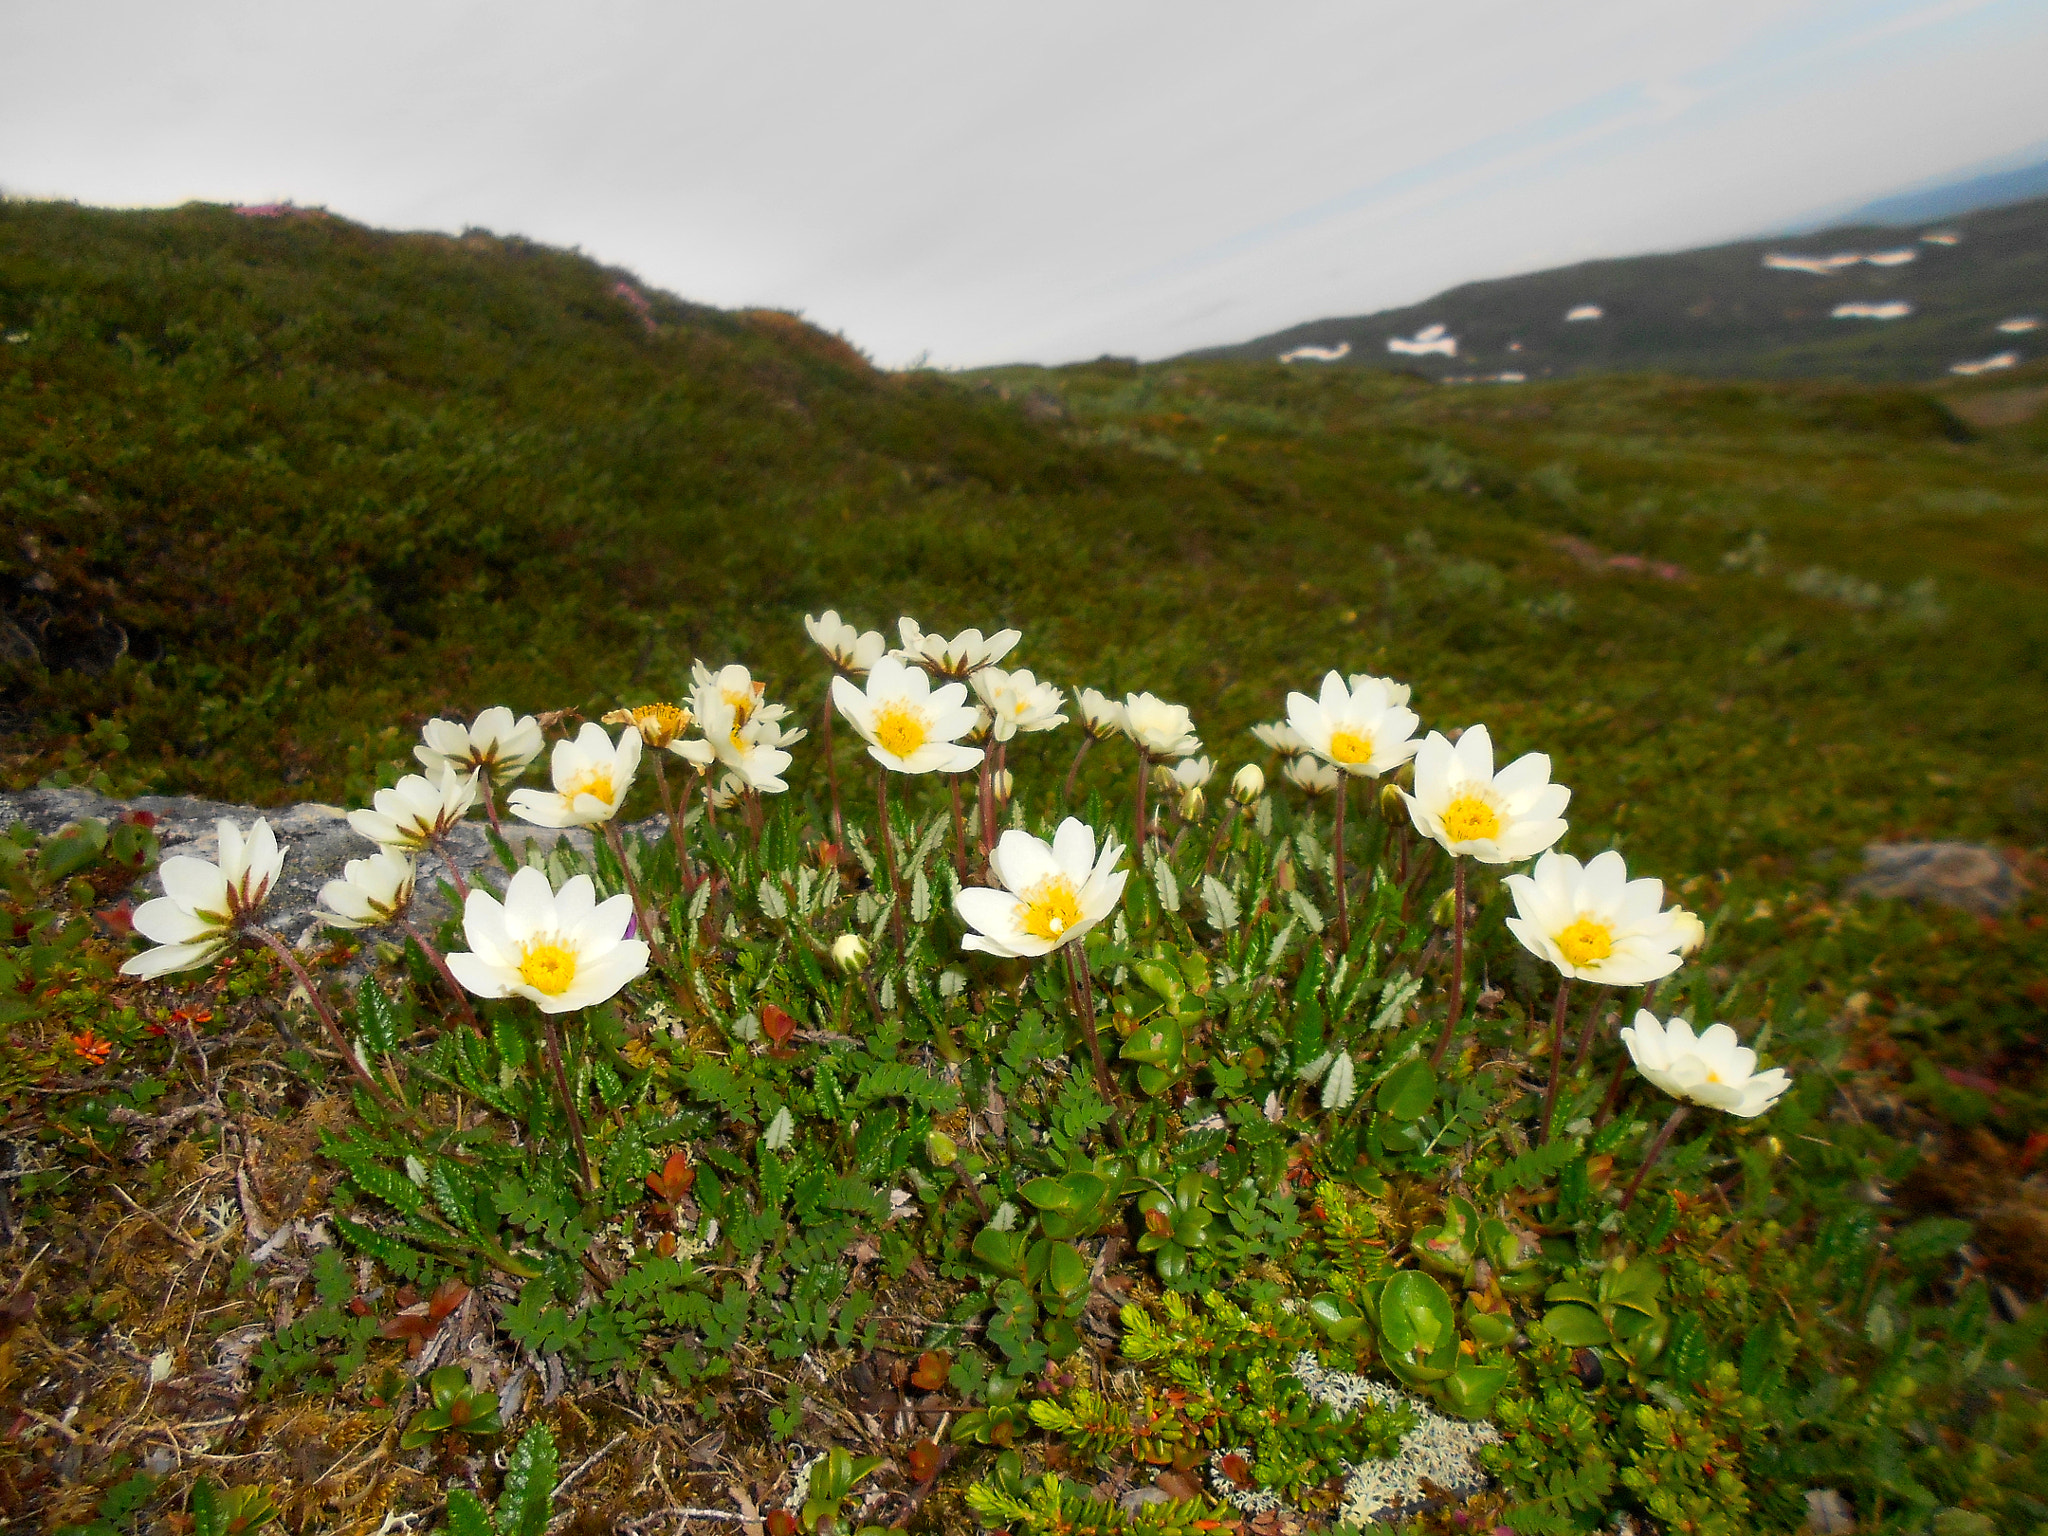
column 317, row 840
column 1964, row 875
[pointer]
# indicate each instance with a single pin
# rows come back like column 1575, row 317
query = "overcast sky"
column 985, row 183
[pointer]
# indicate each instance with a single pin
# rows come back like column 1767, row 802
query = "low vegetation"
column 817, row 1238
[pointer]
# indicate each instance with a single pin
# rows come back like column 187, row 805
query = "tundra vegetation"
column 886, row 1112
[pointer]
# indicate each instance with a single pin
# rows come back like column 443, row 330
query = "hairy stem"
column 832, row 771
column 1067, row 793
column 1084, row 991
column 440, row 964
column 889, row 855
column 1337, row 867
column 1564, row 994
column 1656, row 1151
column 959, row 829
column 1138, row 828
column 327, row 1020
column 1457, row 1010
column 554, row 1048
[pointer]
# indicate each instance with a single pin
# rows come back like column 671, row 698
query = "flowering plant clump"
column 1240, row 1138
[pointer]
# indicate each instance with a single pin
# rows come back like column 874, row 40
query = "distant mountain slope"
column 1957, row 197
column 1726, row 310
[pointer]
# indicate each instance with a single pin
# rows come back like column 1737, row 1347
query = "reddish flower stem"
column 1457, row 1010
column 334, row 1032
column 440, row 964
column 1656, row 1151
column 1564, row 993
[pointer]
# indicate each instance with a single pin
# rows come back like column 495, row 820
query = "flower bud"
column 939, row 1147
column 1691, row 931
column 850, row 953
column 1445, row 909
column 1249, row 784
column 1392, row 807
column 1192, row 804
column 1163, row 779
column 1001, row 783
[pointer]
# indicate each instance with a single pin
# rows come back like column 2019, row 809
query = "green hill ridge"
column 1723, row 312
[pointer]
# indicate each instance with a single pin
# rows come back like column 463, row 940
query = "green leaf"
column 1415, row 1314
column 1002, row 1252
column 1575, row 1326
column 526, row 1503
column 1337, row 1317
column 1407, row 1092
column 377, row 1017
column 208, row 1519
column 467, row 1515
column 1067, row 1271
column 1928, row 1239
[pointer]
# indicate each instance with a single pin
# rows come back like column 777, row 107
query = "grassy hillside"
column 328, row 481
column 276, row 490
column 1720, row 312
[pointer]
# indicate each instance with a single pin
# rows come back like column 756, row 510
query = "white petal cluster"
column 909, row 725
column 561, row 950
column 1281, row 737
column 592, row 776
column 1496, row 818
column 416, row 810
column 496, row 743
column 1248, row 784
column 1159, row 728
column 203, row 901
column 1192, row 773
column 850, row 649
column 1594, row 923
column 1358, row 728
column 1101, row 716
column 1017, row 702
column 1051, row 894
column 1397, row 693
column 1715, row 1070
column 965, row 653
column 370, row 892
column 1310, row 773
column 740, row 729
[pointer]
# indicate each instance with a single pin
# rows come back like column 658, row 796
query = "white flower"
column 370, row 891
column 562, row 950
column 658, row 724
column 1101, row 716
column 1397, row 693
column 417, row 810
column 1051, row 895
column 1160, row 729
column 850, row 952
column 1018, row 702
column 1359, row 729
column 1281, row 737
column 1594, row 923
column 1715, row 1070
column 495, row 742
column 1249, row 784
column 850, row 650
column 744, row 733
column 591, row 778
column 203, row 902
column 908, row 725
column 728, row 791
column 1310, row 773
column 1496, row 818
column 1192, row 773
column 955, row 658
column 1692, row 933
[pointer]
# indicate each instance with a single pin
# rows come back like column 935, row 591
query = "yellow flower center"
column 1349, row 747
column 1586, row 941
column 742, row 703
column 548, row 966
column 1468, row 819
column 901, row 728
column 595, row 781
column 660, row 724
column 1051, row 908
